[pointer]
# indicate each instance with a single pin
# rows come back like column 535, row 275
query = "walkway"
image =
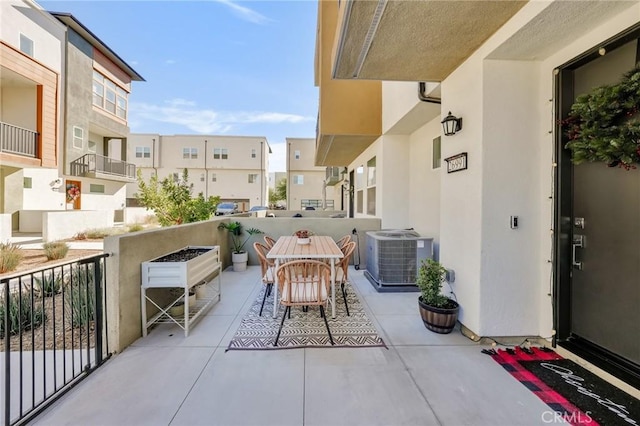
column 422, row 379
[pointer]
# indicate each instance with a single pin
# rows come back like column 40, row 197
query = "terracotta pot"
column 438, row 320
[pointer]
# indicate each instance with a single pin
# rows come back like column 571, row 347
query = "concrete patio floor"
column 422, row 378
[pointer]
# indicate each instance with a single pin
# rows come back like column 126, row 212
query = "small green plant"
column 236, row 231
column 22, row 314
column 48, row 285
column 10, row 256
column 136, row 227
column 80, row 299
column 55, row 250
column 97, row 234
column 431, row 275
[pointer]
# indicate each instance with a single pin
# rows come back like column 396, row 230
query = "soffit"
column 414, row 40
column 340, row 150
column 556, row 26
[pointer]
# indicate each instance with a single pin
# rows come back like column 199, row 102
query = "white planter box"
column 184, row 275
column 179, row 274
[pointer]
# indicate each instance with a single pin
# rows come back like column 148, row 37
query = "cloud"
column 187, row 114
column 244, row 13
column 170, row 61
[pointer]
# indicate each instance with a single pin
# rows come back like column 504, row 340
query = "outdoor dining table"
column 320, row 247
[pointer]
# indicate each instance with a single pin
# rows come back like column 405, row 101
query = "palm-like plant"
column 236, row 231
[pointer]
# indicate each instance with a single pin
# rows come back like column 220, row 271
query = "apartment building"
column 305, row 181
column 32, row 55
column 232, row 167
column 507, row 207
column 96, row 106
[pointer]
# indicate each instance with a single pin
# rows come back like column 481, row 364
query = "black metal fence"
column 53, row 328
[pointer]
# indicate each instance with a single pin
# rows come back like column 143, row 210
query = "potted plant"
column 439, row 313
column 239, row 256
column 304, row 236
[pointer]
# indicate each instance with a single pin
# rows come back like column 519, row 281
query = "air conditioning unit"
column 393, row 259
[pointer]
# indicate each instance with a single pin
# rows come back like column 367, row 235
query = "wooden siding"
column 47, row 104
column 111, row 70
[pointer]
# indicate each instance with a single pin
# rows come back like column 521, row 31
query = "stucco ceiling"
column 380, row 40
column 340, row 150
column 556, row 26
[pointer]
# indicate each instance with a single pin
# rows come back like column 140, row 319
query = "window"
column 371, row 172
column 436, row 154
column 360, row 177
column 109, row 96
column 26, row 45
column 298, row 179
column 96, row 189
column 201, row 177
column 78, row 137
column 296, row 154
column 27, row 182
column 143, row 152
column 371, row 201
column 92, row 146
column 253, row 177
column 190, row 153
column 214, row 177
column 360, row 201
column 253, row 153
column 220, row 153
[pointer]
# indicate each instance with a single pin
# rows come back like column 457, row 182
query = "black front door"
column 599, row 247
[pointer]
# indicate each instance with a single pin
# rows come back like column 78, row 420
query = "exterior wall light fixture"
column 451, row 124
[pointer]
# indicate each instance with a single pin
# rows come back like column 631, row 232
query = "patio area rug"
column 306, row 329
column 578, row 396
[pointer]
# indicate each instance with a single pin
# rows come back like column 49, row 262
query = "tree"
column 280, row 194
column 172, row 201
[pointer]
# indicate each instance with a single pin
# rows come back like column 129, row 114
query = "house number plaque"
column 457, row 162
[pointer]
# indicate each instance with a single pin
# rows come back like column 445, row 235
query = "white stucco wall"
column 61, row 225
column 41, row 195
column 503, row 278
column 5, row 227
column 424, row 182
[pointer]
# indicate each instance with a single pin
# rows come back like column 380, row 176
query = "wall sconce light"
column 451, row 124
column 55, row 184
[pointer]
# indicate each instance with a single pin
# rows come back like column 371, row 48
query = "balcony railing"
column 94, row 165
column 16, row 140
column 333, row 175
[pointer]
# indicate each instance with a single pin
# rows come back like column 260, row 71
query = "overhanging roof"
column 70, row 21
column 413, row 40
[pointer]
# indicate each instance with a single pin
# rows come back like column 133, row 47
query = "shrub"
column 10, row 257
column 48, row 285
column 22, row 314
column 97, row 234
column 81, row 298
column 55, row 250
column 136, row 227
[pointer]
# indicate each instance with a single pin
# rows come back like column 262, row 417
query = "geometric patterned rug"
column 306, row 329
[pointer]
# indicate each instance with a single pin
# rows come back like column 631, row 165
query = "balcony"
column 413, row 40
column 100, row 167
column 18, row 141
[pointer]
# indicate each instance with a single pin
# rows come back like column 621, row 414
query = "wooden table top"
column 321, row 246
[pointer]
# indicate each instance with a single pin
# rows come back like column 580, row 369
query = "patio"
column 421, row 379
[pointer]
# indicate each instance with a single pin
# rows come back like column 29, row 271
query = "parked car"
column 226, row 208
column 258, row 208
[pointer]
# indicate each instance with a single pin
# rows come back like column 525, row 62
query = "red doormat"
column 578, row 396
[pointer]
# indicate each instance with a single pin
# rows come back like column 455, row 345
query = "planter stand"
column 196, row 272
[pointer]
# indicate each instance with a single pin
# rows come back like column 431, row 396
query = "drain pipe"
column 422, row 87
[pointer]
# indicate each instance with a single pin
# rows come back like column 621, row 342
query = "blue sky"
column 213, row 67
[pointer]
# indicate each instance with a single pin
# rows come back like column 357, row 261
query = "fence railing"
column 16, row 140
column 94, row 163
column 53, row 326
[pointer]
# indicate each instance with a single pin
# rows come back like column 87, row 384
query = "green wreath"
column 602, row 125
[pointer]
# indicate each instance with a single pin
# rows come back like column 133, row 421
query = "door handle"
column 578, row 242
